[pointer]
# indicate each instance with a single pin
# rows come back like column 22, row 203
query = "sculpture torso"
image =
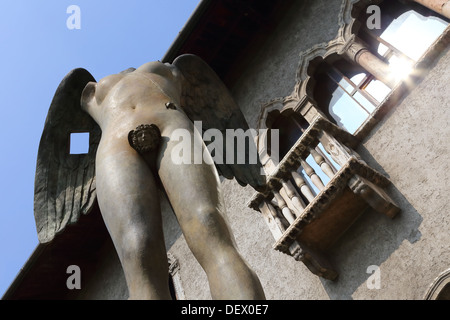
column 127, row 100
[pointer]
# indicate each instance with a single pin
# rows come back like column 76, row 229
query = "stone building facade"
column 373, row 223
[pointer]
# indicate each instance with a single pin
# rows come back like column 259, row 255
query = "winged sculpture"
column 122, row 171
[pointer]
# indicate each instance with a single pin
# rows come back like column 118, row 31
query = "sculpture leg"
column 128, row 200
column 194, row 192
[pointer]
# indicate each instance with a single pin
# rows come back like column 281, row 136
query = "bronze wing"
column 206, row 98
column 64, row 182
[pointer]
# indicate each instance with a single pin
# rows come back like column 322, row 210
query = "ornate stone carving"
column 300, row 100
column 352, row 48
column 312, row 230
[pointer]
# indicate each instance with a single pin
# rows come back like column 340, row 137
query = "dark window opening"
column 290, row 129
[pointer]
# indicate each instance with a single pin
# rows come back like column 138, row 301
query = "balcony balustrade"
column 316, row 192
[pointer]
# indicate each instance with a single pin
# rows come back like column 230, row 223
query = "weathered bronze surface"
column 124, row 181
column 145, row 138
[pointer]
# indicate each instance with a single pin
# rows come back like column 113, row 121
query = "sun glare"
column 401, row 68
column 398, row 34
column 402, row 44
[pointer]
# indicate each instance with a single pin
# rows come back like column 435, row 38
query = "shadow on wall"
column 369, row 242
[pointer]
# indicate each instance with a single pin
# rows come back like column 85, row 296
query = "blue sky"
column 36, row 51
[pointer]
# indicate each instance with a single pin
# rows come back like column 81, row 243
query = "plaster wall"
column 409, row 145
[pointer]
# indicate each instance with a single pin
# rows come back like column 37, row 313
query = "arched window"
column 349, row 94
column 354, row 98
column 407, row 38
column 290, row 127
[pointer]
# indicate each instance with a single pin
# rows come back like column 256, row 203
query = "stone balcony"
column 307, row 216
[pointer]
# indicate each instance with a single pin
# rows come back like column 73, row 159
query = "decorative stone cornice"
column 350, row 9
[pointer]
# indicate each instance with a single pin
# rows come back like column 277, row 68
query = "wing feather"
column 65, row 183
column 206, row 98
column 76, row 207
column 89, row 190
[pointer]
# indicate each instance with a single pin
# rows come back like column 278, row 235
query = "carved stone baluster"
column 271, row 218
column 312, row 175
column 301, row 184
column 328, row 158
column 298, row 204
column 320, row 160
column 276, row 212
column 284, row 208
